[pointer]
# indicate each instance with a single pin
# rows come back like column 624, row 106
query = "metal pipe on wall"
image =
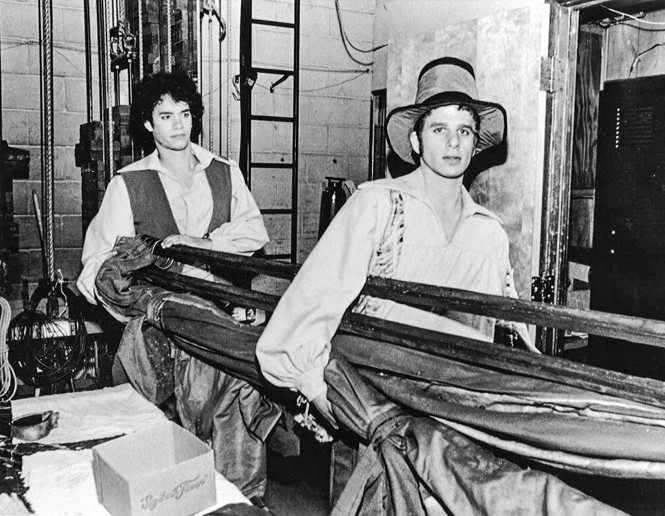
column 110, row 20
column 295, row 134
column 199, row 66
column 223, row 30
column 88, row 59
column 199, row 70
column 103, row 64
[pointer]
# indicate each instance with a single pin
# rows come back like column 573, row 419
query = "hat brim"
column 401, row 122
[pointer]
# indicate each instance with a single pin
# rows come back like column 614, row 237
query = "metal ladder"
column 248, row 76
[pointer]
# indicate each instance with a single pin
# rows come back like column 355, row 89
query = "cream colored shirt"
column 295, row 346
column 192, row 211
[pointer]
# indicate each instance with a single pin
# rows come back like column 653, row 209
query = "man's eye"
column 464, row 132
column 438, row 129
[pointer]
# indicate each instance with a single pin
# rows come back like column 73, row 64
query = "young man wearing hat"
column 423, row 227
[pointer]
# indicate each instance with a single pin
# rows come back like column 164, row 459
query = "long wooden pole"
column 441, row 299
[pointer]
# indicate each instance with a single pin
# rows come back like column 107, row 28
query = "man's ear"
column 148, row 125
column 415, row 142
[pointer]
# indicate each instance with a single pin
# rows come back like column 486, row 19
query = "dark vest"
column 153, row 215
column 152, row 211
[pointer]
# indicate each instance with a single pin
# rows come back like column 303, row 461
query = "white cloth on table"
column 93, row 414
column 61, row 482
column 10, row 505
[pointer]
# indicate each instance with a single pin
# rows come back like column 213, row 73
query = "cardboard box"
column 163, row 471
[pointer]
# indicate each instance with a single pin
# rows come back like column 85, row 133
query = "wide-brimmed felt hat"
column 442, row 82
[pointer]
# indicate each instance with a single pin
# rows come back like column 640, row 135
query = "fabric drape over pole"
column 542, row 409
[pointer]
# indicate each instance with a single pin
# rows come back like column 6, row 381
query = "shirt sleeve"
column 245, row 232
column 295, row 346
column 114, row 219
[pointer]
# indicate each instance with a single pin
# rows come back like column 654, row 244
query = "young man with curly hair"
column 181, row 194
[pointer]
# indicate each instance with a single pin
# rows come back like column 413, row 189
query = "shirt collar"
column 151, row 161
column 413, row 184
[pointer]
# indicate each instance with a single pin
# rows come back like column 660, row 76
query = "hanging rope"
column 210, row 83
column 229, row 80
column 47, row 134
column 108, row 22
column 122, row 12
column 139, row 45
column 169, row 40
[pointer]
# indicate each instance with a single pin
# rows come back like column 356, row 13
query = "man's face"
column 447, row 142
column 171, row 125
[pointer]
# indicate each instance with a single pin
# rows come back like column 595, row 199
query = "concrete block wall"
column 335, row 96
column 334, row 107
column 19, row 30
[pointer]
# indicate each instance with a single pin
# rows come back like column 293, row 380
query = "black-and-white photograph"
column 332, row 257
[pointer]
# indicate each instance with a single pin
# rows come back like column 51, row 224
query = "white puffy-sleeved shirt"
column 387, row 228
column 192, row 210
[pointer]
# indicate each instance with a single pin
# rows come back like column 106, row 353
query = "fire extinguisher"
column 332, row 199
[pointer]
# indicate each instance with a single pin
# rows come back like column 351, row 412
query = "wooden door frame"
column 558, row 80
column 559, row 126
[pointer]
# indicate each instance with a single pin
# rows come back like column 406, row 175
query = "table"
column 54, row 475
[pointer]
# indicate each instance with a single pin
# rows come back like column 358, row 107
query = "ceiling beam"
column 581, row 4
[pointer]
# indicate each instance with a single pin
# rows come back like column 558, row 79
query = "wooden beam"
column 432, row 298
column 198, row 257
column 581, row 4
column 441, row 299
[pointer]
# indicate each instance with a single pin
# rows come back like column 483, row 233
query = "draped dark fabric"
column 220, row 408
column 428, row 423
column 407, row 453
column 539, row 413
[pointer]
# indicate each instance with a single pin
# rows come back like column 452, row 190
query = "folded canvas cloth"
column 86, row 415
column 61, row 483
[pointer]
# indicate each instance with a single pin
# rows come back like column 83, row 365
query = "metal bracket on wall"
column 542, row 288
column 551, row 74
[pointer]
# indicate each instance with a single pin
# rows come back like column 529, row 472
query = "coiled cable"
column 8, row 382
